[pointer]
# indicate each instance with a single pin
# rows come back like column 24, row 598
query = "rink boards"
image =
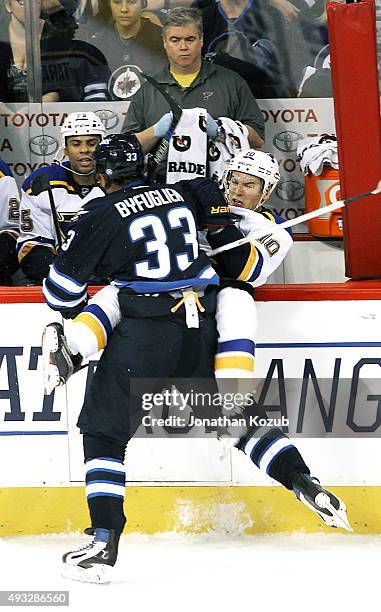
column 322, row 338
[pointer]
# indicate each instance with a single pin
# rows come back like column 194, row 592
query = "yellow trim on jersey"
column 268, row 214
column 93, row 324
column 2, row 174
column 234, row 363
column 251, row 261
column 28, row 246
column 11, row 233
column 64, row 184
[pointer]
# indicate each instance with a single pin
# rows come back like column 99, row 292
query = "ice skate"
column 329, row 507
column 58, row 362
column 93, row 562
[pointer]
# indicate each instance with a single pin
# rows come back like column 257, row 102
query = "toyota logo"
column 43, row 145
column 287, row 141
column 109, row 119
column 290, row 191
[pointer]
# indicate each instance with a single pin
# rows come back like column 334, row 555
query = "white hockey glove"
column 251, row 222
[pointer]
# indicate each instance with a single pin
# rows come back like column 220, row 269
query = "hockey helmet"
column 119, row 156
column 81, row 124
column 256, row 163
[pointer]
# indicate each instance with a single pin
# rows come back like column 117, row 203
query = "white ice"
column 207, row 573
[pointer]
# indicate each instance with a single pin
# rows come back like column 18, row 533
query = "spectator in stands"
column 268, row 42
column 9, row 224
column 306, row 45
column 13, row 75
column 71, row 70
column 129, row 41
column 74, row 68
column 194, row 83
column 247, row 37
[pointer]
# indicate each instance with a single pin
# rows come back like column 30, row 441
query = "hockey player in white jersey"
column 9, row 224
column 71, row 184
column 249, row 181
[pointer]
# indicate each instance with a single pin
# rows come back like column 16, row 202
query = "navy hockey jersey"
column 142, row 237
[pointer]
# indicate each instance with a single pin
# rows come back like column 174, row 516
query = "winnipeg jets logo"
column 124, row 82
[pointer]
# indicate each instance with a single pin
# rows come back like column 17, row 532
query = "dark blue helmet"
column 119, row 156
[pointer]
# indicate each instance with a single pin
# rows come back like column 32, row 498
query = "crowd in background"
column 280, row 47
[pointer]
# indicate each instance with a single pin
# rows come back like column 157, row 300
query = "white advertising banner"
column 30, row 138
column 330, row 349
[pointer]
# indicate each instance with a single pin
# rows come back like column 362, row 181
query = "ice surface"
column 209, row 572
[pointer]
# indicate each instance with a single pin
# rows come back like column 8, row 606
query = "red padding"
column 368, row 290
column 352, row 37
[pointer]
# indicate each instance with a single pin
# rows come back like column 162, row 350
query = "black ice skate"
column 93, row 562
column 58, row 362
column 329, row 507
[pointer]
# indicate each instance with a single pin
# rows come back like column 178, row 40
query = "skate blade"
column 98, row 574
column 50, row 374
column 339, row 517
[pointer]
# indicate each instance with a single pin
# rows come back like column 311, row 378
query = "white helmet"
column 81, row 124
column 256, row 163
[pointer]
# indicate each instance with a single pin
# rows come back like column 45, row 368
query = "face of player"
column 125, row 13
column 245, row 190
column 79, row 150
column 183, row 45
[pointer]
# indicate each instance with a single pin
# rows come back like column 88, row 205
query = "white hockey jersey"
column 267, row 251
column 9, row 202
column 255, row 261
column 36, row 220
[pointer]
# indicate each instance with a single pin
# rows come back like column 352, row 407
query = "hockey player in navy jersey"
column 71, row 183
column 9, row 224
column 146, row 239
column 249, row 181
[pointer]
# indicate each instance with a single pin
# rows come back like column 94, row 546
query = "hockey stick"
column 160, row 151
column 39, row 185
column 311, row 215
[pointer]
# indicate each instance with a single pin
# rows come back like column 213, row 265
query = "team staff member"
column 136, row 235
column 194, row 83
column 72, row 185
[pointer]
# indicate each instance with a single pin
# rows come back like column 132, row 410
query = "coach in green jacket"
column 192, row 82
